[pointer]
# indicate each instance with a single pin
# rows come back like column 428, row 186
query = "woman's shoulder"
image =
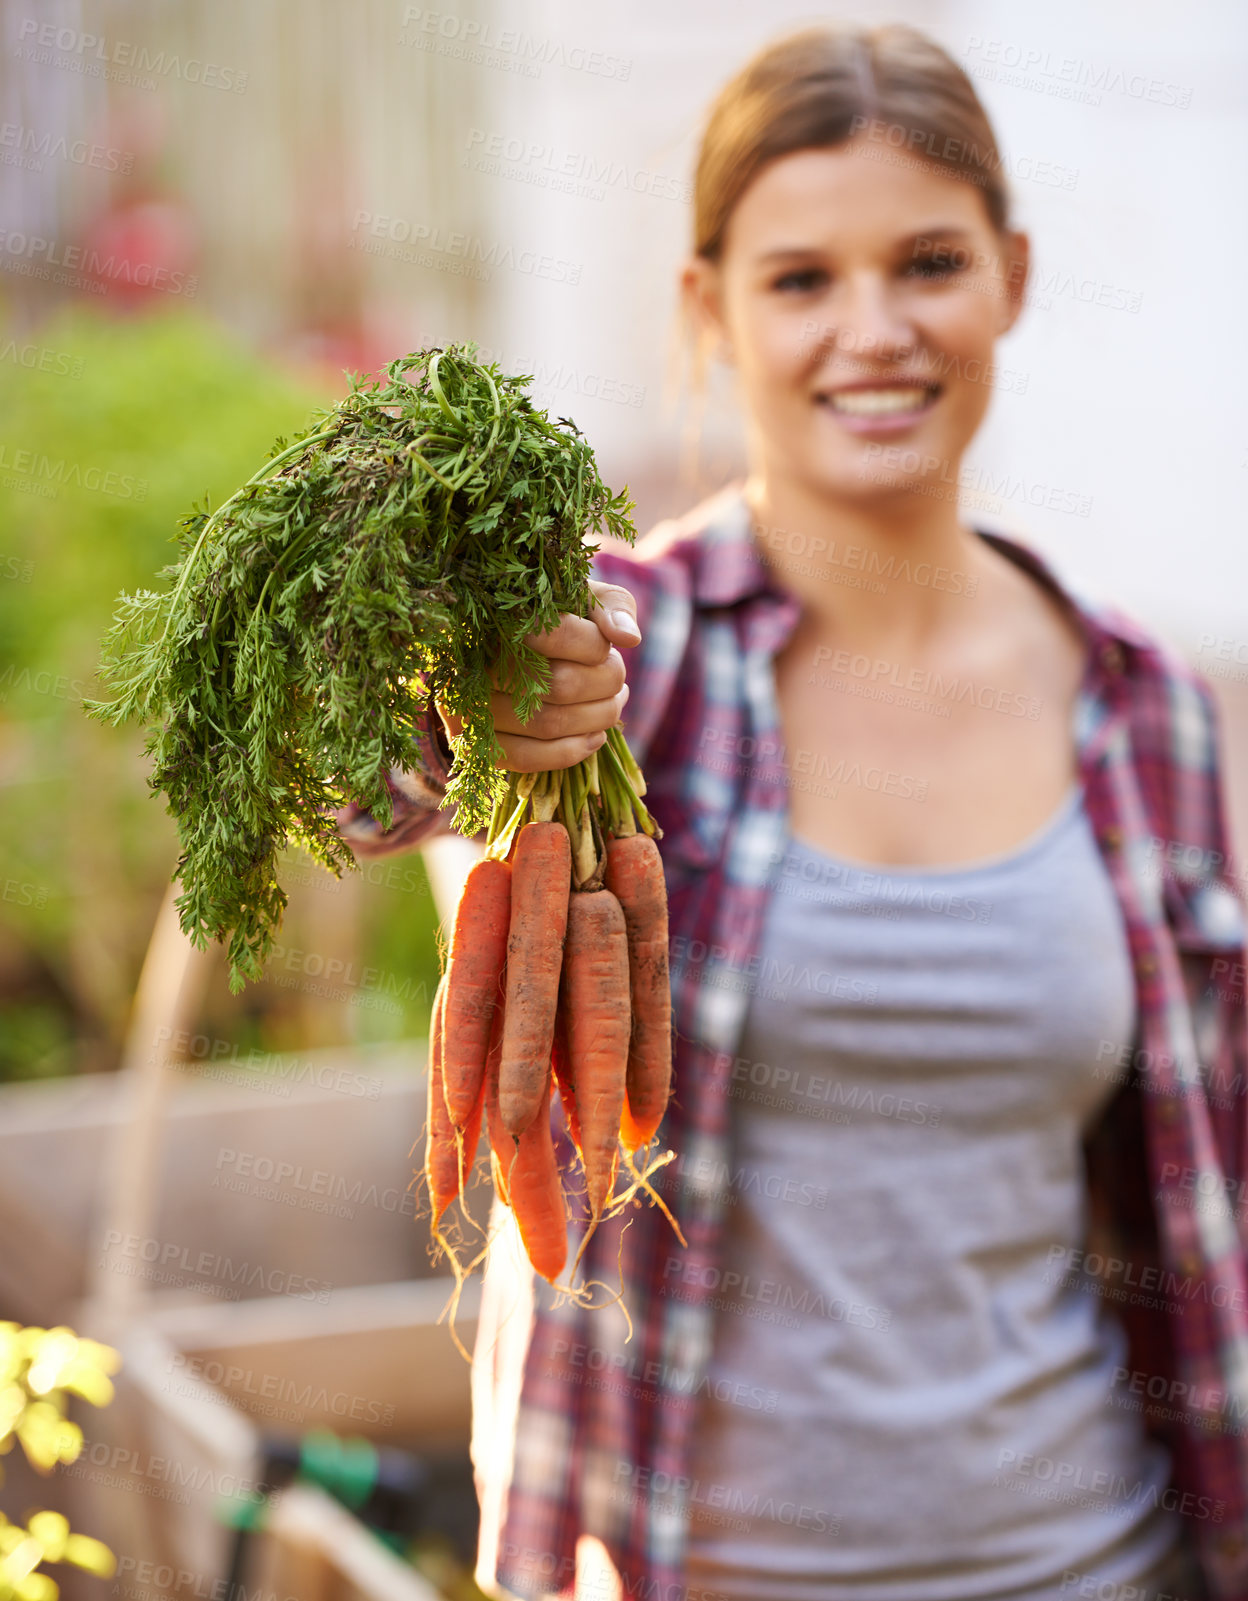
column 1166, row 713
column 1154, row 669
column 1174, row 737
column 1165, row 688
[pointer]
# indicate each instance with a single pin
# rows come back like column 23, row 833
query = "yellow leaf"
column 38, row 1587
column 88, row 1382
column 23, row 1559
column 47, row 1437
column 55, row 1351
column 51, row 1529
column 12, row 1405
column 11, row 1355
column 93, row 1555
column 105, row 1357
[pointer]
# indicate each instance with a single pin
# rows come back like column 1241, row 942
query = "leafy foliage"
column 106, row 440
column 398, row 552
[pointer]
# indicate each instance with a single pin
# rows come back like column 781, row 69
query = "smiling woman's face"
column 860, row 295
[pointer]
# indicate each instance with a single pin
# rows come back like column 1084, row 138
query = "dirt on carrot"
column 595, row 999
column 474, row 983
column 541, row 869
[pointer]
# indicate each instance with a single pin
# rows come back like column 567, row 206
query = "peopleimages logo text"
column 91, row 51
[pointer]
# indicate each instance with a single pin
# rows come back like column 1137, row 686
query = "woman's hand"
column 587, row 689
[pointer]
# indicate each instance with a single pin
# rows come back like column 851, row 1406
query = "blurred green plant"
column 104, row 439
column 39, row 1370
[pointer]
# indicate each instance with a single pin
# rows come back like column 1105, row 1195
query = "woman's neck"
column 904, row 571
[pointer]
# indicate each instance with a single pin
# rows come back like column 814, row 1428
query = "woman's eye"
column 933, row 266
column 801, row 279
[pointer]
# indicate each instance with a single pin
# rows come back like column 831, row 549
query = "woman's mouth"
column 882, row 409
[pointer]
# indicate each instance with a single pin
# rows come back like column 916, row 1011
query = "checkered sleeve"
column 416, row 794
column 1205, row 907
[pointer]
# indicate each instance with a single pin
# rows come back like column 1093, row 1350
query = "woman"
column 950, row 911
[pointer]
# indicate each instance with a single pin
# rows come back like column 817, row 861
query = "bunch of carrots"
column 556, row 982
column 402, row 550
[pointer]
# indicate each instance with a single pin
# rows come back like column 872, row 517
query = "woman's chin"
column 862, row 483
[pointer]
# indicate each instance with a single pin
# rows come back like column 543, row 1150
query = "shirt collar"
column 729, row 567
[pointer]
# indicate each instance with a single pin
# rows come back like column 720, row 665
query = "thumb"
column 616, row 615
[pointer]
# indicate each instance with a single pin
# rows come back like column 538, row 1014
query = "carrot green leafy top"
column 399, row 551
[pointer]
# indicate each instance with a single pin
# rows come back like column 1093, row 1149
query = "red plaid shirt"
column 581, row 1430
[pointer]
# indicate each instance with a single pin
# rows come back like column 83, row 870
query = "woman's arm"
column 416, row 795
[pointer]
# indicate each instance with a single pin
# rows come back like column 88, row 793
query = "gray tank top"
column 909, row 1399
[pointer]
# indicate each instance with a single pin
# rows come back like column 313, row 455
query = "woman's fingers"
column 557, row 736
column 554, row 720
column 587, row 693
column 524, row 755
column 576, row 639
column 616, row 615
column 613, row 622
column 572, row 681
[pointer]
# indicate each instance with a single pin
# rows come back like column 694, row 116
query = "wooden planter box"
column 267, row 1183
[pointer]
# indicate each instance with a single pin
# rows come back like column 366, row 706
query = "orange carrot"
column 563, row 1078
column 541, row 877
column 502, row 1146
column 445, row 1172
column 536, row 1198
column 635, row 876
column 595, row 1002
column 473, row 974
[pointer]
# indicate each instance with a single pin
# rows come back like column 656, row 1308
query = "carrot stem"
column 503, row 812
column 545, row 797
column 621, row 752
column 567, row 809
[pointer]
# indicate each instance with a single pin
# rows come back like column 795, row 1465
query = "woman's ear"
column 1016, row 257
column 701, row 291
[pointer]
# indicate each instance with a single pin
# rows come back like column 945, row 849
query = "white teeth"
column 873, row 402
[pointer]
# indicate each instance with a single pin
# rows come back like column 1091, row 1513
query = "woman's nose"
column 868, row 322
